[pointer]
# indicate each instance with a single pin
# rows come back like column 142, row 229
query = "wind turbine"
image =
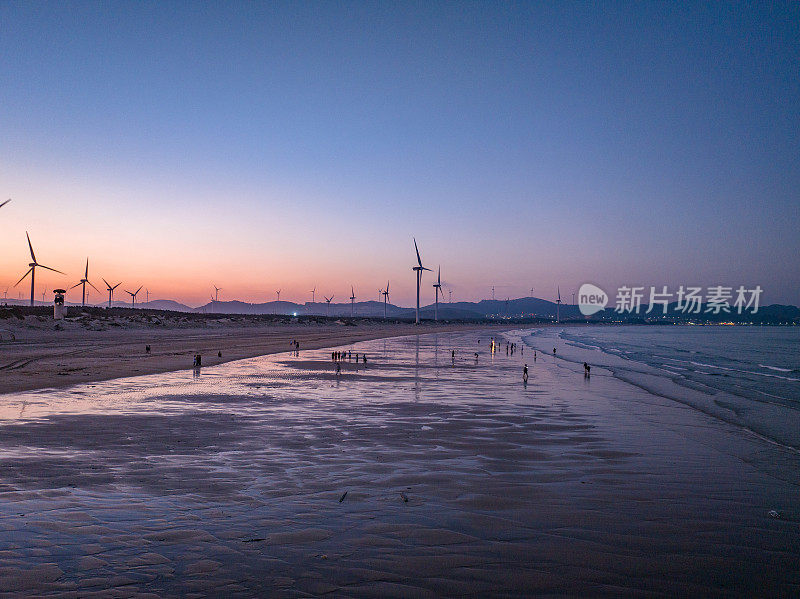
column 111, row 290
column 279, row 294
column 418, row 269
column 33, row 265
column 44, row 293
column 147, row 293
column 385, row 293
column 558, row 306
column 352, row 302
column 438, row 286
column 450, row 292
column 133, row 294
column 216, row 293
column 313, row 291
column 83, row 282
column 328, row 301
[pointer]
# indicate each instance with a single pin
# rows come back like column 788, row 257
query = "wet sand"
column 414, row 477
column 42, row 357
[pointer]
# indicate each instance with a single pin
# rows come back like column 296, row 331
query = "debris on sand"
column 341, row 499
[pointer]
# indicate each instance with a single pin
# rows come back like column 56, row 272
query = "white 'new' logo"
column 591, row 299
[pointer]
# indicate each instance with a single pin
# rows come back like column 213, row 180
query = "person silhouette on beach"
column 525, row 374
column 338, row 368
column 476, row 357
column 554, row 351
column 586, row 369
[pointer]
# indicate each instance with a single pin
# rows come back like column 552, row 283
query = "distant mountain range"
column 526, row 308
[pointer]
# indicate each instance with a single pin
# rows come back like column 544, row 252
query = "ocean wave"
column 776, row 368
column 773, row 376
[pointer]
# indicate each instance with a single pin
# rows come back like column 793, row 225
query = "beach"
column 46, row 354
column 419, row 475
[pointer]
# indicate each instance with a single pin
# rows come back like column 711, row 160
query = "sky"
column 266, row 146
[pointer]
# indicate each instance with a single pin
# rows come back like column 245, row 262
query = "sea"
column 748, row 376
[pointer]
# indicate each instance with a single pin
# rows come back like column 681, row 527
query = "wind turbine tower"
column 33, row 264
column 385, row 293
column 133, row 294
column 558, row 306
column 111, row 290
column 438, row 287
column 418, row 269
column 83, row 282
column 352, row 302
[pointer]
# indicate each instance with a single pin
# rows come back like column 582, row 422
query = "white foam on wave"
column 775, row 368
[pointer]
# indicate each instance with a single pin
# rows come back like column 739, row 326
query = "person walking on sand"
column 338, row 368
column 525, row 374
column 554, row 351
column 586, row 369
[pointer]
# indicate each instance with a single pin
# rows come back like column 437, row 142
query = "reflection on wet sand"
column 409, row 477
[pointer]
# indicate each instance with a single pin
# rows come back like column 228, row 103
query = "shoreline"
column 48, row 359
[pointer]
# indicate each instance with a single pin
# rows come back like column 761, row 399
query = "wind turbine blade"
column 86, row 274
column 106, row 282
column 23, row 276
column 6, row 202
column 117, row 285
column 387, row 286
column 76, row 285
column 93, row 287
column 140, row 288
column 30, row 246
column 48, row 268
column 419, row 260
column 428, row 269
column 439, row 277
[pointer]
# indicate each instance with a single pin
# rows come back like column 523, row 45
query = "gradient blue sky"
column 282, row 145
